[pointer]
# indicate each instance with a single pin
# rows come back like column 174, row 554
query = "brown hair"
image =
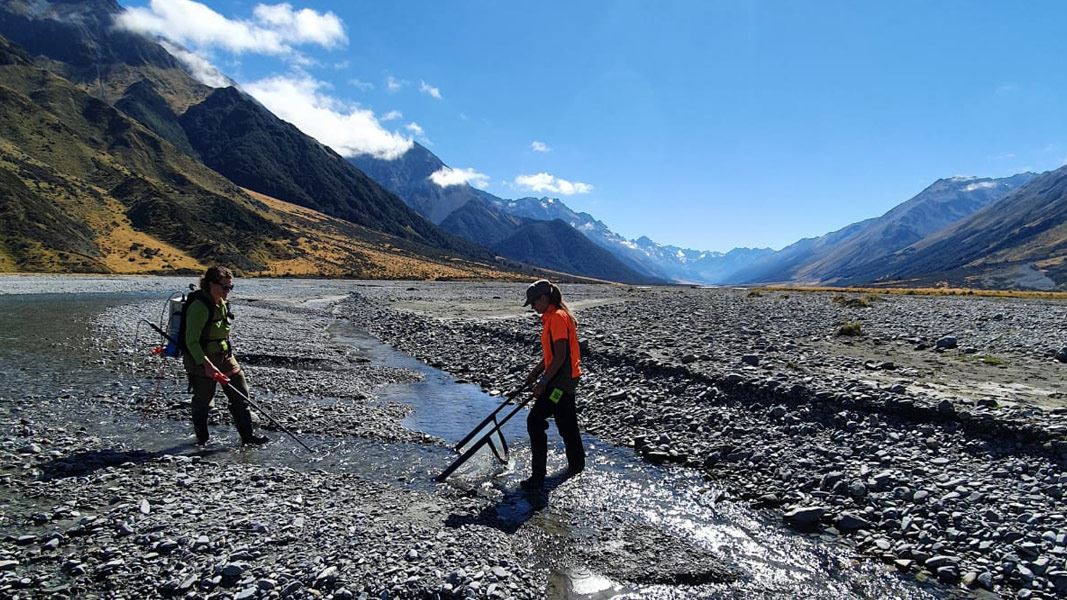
column 555, row 296
column 214, row 274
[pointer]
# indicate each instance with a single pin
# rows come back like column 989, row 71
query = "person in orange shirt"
column 557, row 379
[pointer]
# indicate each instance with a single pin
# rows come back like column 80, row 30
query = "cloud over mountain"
column 350, row 130
column 447, row 176
column 545, row 182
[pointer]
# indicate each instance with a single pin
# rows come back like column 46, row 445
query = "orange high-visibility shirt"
column 558, row 325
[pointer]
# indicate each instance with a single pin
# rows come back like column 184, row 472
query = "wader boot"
column 203, row 388
column 566, row 415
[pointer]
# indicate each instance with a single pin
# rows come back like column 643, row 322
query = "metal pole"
column 483, row 440
column 509, row 397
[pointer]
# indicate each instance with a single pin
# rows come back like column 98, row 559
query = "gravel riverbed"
column 935, row 440
column 892, row 444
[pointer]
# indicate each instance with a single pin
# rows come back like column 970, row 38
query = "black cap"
column 536, row 290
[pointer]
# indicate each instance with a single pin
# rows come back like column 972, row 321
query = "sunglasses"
column 225, row 287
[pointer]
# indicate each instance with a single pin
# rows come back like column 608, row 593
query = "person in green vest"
column 206, row 337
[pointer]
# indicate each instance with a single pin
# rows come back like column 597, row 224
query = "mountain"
column 81, row 177
column 480, row 221
column 665, row 262
column 541, row 243
column 85, row 188
column 558, row 246
column 223, row 128
column 847, row 254
column 1019, row 241
column 241, row 139
column 695, row 266
column 409, row 178
column 480, row 217
column 78, row 41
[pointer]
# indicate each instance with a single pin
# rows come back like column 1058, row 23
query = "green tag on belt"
column 555, row 395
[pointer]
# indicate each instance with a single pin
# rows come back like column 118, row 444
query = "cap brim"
column 527, row 303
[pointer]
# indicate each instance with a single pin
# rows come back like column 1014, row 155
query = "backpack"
column 178, row 308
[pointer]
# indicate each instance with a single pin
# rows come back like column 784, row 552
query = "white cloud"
column 392, row 115
column 349, row 130
column 415, row 128
column 429, row 90
column 981, row 185
column 447, row 176
column 199, row 67
column 275, row 28
column 360, row 84
column 544, row 182
column 393, row 84
column 303, row 26
column 537, row 146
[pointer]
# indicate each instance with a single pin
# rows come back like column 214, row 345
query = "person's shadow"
column 513, row 510
column 87, row 462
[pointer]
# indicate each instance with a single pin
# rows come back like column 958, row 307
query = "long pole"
column 224, row 380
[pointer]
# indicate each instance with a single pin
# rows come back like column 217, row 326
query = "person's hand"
column 210, row 370
column 539, row 389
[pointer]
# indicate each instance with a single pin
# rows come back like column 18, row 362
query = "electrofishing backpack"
column 177, row 308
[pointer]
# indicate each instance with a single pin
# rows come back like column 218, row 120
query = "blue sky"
column 707, row 125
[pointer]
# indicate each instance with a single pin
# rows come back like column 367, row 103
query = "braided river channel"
column 620, row 509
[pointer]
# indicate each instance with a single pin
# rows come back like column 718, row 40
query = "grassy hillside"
column 84, row 188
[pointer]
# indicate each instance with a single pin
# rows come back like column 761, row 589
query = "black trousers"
column 566, row 416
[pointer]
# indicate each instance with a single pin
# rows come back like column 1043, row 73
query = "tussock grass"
column 851, row 301
column 935, row 291
column 850, row 329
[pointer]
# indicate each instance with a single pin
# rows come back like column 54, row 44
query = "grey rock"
column 852, row 522
column 985, row 580
column 948, row 574
column 233, row 571
column 291, row 588
column 946, row 342
column 805, row 516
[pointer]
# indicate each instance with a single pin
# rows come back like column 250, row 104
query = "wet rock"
column 1061, row 354
column 948, row 574
column 805, row 517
